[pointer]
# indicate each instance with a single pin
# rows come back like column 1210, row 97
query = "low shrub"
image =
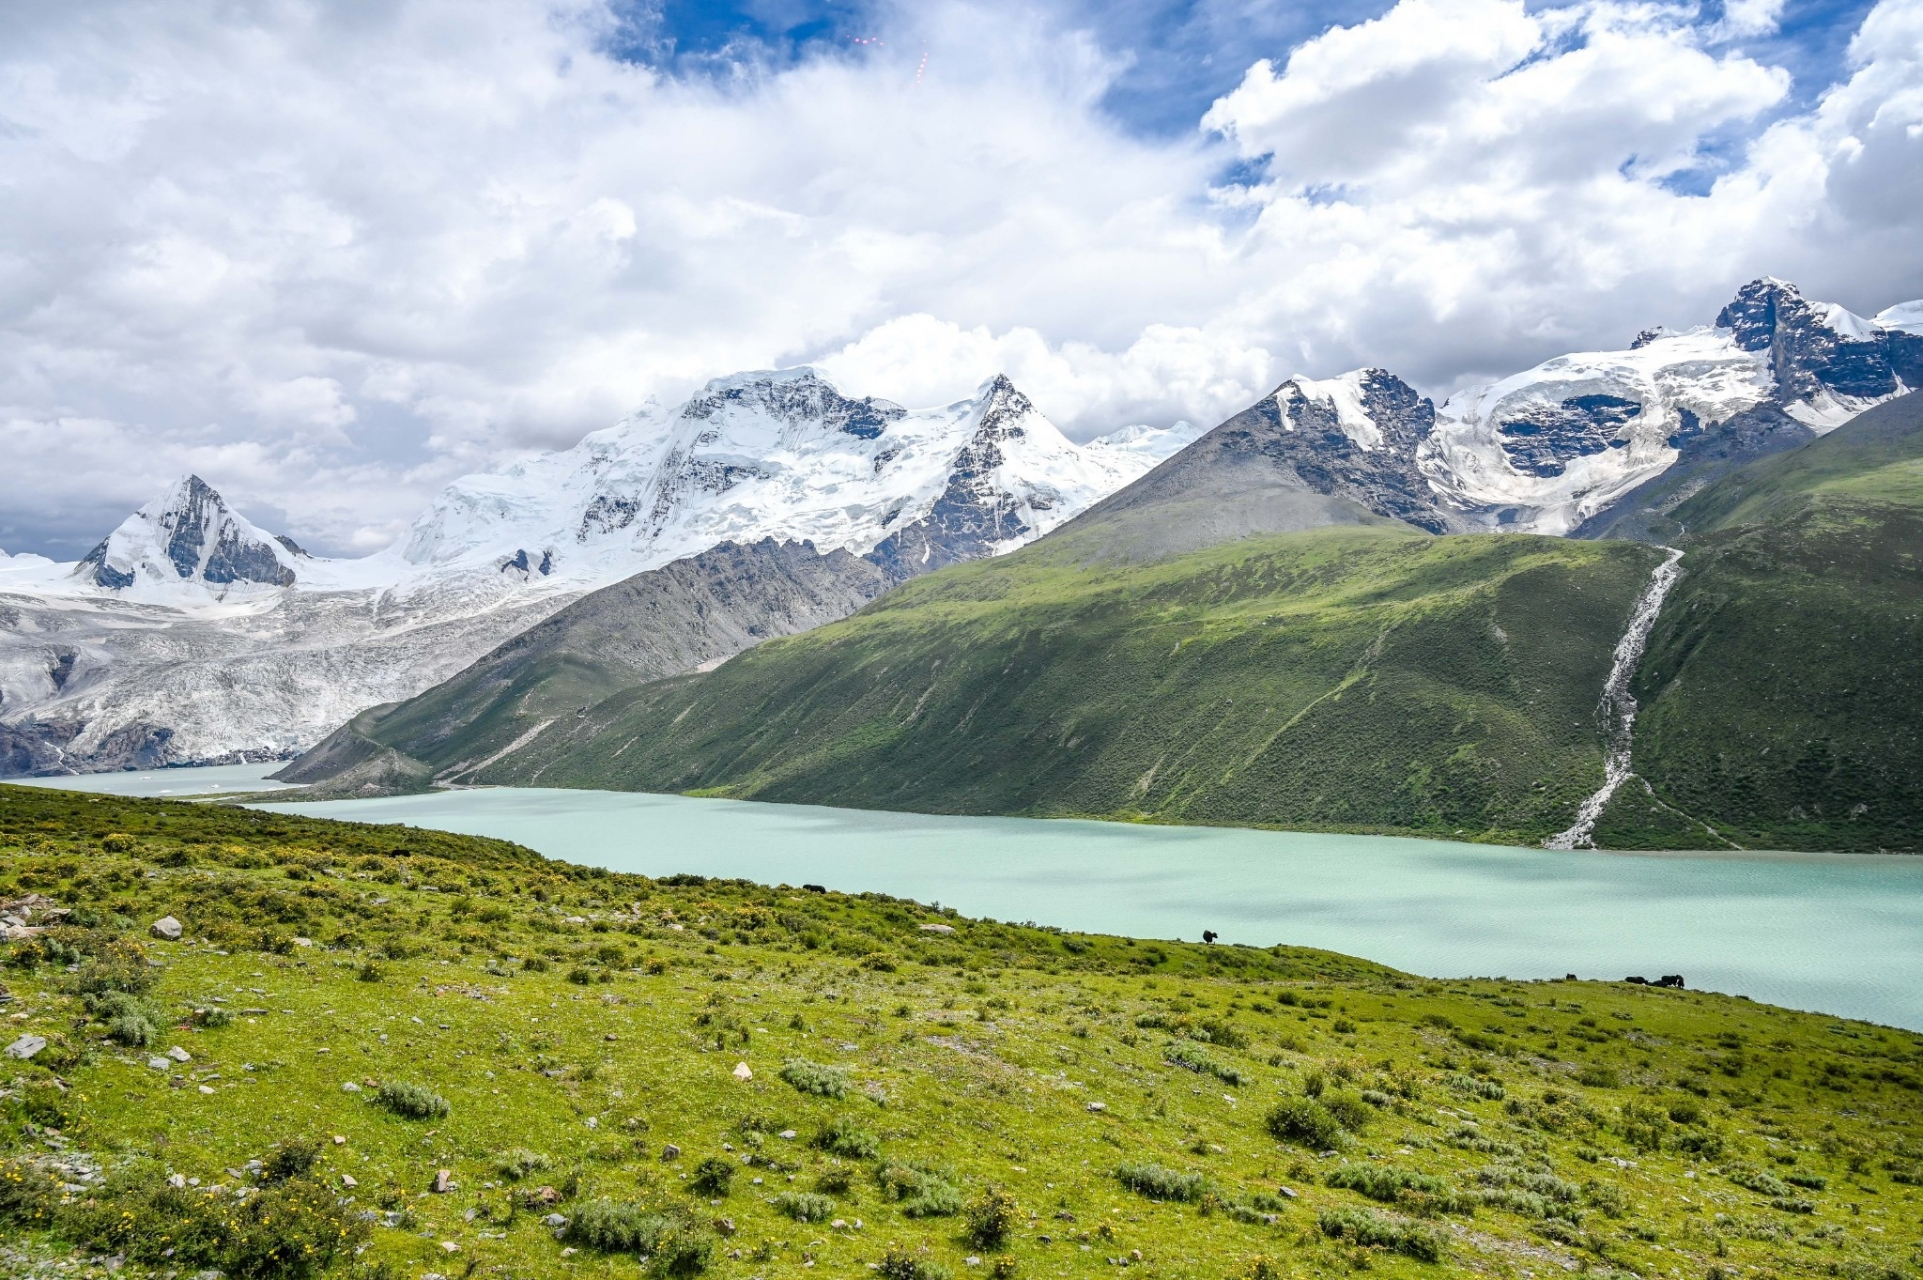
column 1762, row 1182
column 1372, row 1230
column 922, row 1191
column 1159, row 1183
column 991, row 1218
column 804, row 1206
column 517, row 1163
column 413, row 1101
column 292, row 1159
column 1349, row 1109
column 1191, row 1058
column 899, row 1264
column 816, row 1078
column 1305, row 1122
column 1473, row 1087
column 1423, row 1192
column 712, row 1177
column 616, row 1226
column 843, row 1137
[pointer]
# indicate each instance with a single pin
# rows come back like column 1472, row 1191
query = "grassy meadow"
column 614, row 1076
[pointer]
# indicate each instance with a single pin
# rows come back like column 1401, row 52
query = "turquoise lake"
column 1838, row 933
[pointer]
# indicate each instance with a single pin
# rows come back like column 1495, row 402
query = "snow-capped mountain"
column 190, row 634
column 782, row 454
column 1553, row 446
column 1558, row 448
column 189, row 534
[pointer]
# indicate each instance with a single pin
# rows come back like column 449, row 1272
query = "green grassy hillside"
column 1783, row 685
column 357, row 1009
column 1360, row 677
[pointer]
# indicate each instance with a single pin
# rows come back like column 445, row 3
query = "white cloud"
column 334, row 254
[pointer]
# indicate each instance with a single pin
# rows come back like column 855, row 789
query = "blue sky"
column 331, row 256
column 1184, row 53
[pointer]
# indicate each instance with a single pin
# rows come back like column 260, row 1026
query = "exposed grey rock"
column 167, row 929
column 1806, row 356
column 973, row 514
column 26, row 1046
column 1257, row 474
column 1707, row 453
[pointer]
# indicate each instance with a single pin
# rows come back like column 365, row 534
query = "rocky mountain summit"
column 189, row 534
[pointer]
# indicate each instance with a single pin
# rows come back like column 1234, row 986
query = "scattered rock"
column 303, row 942
column 347, row 1180
column 178, row 1181
column 339, row 1141
column 450, row 1247
column 1098, row 1106
column 350, row 1087
column 789, row 1134
column 555, row 1220
column 158, row 1064
column 167, row 929
column 742, row 1071
column 724, row 1225
column 26, row 1046
column 669, row 1152
column 206, row 1088
column 938, row 928
column 443, row 1181
column 179, row 1054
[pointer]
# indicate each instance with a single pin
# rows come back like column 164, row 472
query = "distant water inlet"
column 1838, row 933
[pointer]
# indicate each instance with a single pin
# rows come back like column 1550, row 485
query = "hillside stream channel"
column 1840, row 934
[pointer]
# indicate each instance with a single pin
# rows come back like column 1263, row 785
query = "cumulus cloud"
column 334, row 254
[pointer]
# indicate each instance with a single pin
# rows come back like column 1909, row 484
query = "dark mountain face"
column 1806, row 355
column 973, row 515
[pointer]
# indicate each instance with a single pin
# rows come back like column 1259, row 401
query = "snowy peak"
column 798, row 398
column 781, row 454
column 1825, row 360
column 188, row 534
column 1372, row 408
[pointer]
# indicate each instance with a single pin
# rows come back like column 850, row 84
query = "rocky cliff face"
column 1817, row 352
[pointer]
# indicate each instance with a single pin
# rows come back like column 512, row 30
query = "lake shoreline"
column 1840, row 933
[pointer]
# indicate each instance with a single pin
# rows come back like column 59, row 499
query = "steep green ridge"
column 1359, row 677
column 359, row 1008
column 1783, row 684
